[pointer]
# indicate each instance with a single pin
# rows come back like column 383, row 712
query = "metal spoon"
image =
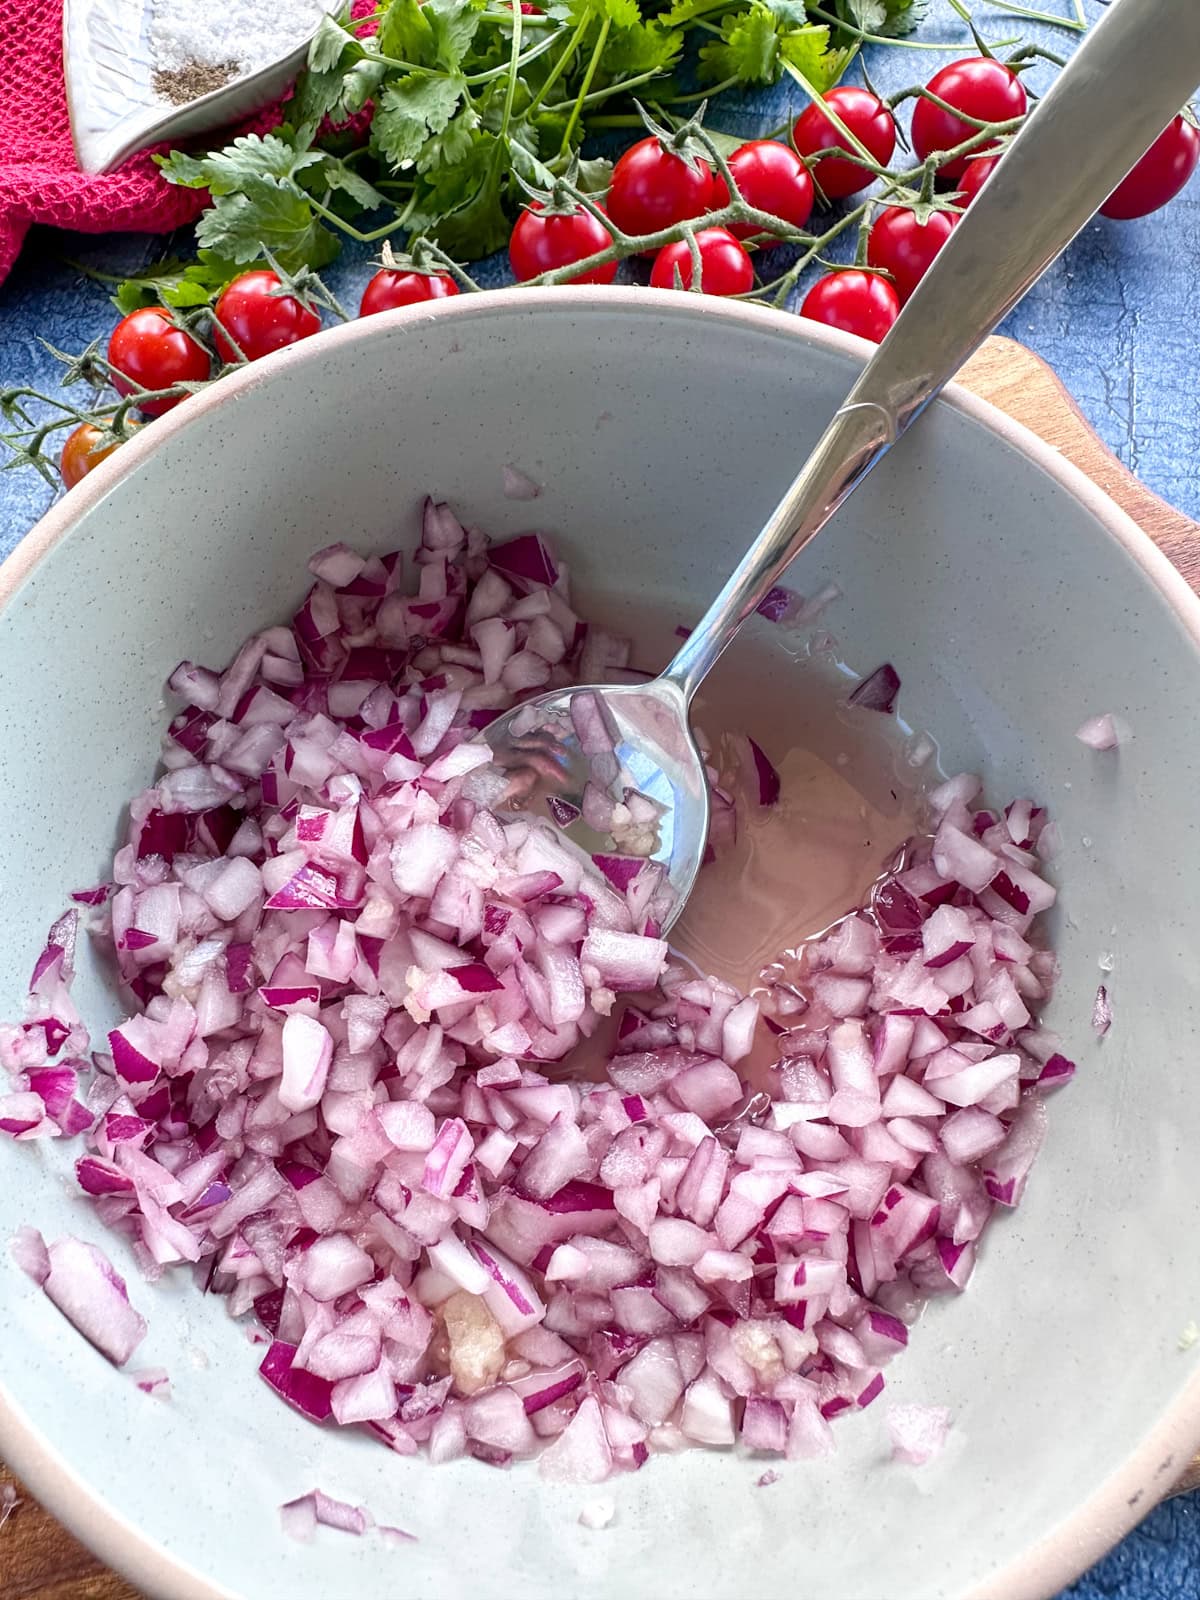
column 1128, row 78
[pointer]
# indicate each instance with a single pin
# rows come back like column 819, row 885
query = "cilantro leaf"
column 187, row 172
column 452, row 145
column 405, row 33
column 869, row 15
column 886, row 17
column 645, row 47
column 681, row 12
column 791, row 13
column 454, row 24
column 250, row 157
column 755, row 44
column 902, row 17
column 460, row 206
column 808, row 50
column 338, row 176
column 337, row 94
column 726, row 143
column 409, row 111
column 748, row 49
column 182, row 285
column 143, row 288
column 619, row 13
column 593, row 177
column 266, row 212
column 525, row 161
column 330, row 43
column 479, row 228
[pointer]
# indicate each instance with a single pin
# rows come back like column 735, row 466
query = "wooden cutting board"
column 38, row 1560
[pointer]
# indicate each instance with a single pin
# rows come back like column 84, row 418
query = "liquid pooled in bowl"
column 798, row 865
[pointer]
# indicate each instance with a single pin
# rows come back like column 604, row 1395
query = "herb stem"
column 598, row 96
column 1076, row 24
column 490, row 76
column 864, row 37
column 514, row 73
column 352, row 232
column 560, row 66
column 592, row 68
column 852, row 141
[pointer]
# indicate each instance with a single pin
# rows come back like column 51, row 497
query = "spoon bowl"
column 573, row 756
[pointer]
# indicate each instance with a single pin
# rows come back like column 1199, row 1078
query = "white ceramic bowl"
column 1014, row 600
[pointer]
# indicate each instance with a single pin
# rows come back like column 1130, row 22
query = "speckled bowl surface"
column 1014, row 600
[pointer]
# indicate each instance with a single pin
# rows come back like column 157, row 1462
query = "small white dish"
column 109, row 68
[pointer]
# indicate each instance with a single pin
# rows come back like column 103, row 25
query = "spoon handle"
column 1131, row 74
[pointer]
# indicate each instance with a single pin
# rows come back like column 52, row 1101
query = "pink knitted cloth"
column 39, row 178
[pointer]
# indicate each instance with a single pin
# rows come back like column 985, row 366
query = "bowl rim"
column 1137, row 1483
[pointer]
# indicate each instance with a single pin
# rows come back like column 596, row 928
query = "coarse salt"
column 241, row 36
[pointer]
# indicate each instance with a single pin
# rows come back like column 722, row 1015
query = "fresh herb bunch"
column 36, row 421
column 286, row 198
column 469, row 98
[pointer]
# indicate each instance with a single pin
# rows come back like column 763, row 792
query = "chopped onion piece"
column 918, row 1433
column 1100, row 732
column 91, row 1294
column 878, row 691
column 519, row 485
column 1102, row 1011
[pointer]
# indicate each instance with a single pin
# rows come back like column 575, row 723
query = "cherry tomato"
column 900, row 245
column 653, row 188
column 974, row 175
column 867, row 118
column 80, row 455
column 855, row 301
column 1159, row 175
column 149, row 352
column 541, row 243
column 981, row 87
column 773, row 178
column 260, row 320
column 392, row 287
column 724, row 265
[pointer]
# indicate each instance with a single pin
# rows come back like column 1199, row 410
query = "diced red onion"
column 28, row 1250
column 518, row 485
column 768, row 778
column 525, row 558
column 83, row 1284
column 338, row 1099
column 918, row 1433
column 878, row 691
column 1100, row 732
column 1102, row 1011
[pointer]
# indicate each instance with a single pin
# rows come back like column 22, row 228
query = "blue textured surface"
column 1116, row 318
